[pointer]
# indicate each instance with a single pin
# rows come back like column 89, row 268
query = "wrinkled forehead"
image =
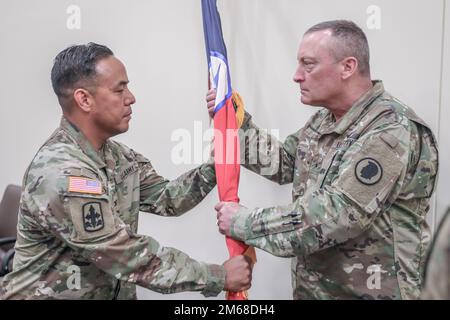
column 316, row 44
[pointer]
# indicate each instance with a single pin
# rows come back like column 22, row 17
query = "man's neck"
column 89, row 131
column 349, row 97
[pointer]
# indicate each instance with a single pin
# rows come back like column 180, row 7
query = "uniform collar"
column 353, row 114
column 82, row 142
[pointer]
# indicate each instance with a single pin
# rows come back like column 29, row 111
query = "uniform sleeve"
column 173, row 198
column 265, row 155
column 369, row 179
column 437, row 274
column 85, row 222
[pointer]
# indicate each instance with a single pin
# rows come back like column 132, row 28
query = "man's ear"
column 83, row 99
column 349, row 67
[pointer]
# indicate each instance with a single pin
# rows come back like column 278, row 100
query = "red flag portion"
column 226, row 139
column 227, row 164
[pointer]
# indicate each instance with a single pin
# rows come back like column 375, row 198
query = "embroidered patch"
column 93, row 216
column 368, row 171
column 84, row 185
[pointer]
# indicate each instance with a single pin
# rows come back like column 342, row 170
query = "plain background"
column 161, row 44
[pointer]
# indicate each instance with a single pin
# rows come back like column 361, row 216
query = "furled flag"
column 226, row 140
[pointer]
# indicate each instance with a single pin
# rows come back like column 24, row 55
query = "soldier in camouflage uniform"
column 437, row 269
column 82, row 195
column 363, row 170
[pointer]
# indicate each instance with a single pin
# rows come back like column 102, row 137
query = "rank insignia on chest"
column 93, row 216
column 368, row 171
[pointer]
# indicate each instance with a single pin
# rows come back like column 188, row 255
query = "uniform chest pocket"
column 330, row 168
column 127, row 191
column 333, row 161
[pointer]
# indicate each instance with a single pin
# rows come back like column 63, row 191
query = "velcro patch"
column 93, row 216
column 371, row 174
column 84, row 185
column 368, row 171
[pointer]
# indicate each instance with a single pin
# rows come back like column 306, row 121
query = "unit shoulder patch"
column 93, row 216
column 368, row 171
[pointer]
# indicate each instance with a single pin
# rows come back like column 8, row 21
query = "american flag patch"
column 83, row 185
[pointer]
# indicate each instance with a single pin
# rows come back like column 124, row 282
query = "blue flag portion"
column 216, row 53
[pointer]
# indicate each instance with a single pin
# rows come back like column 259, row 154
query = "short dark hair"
column 74, row 66
column 352, row 42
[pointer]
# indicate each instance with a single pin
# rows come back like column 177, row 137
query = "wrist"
column 240, row 224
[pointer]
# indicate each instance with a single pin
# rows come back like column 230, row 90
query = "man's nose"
column 130, row 99
column 299, row 75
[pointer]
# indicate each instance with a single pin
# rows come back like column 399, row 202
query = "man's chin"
column 125, row 125
column 305, row 100
column 120, row 130
column 124, row 129
column 310, row 102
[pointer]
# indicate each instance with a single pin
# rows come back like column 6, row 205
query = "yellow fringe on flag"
column 250, row 252
column 238, row 104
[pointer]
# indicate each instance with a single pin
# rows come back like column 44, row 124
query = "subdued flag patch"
column 84, row 185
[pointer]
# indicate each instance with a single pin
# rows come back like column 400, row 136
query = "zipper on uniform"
column 328, row 169
column 116, row 290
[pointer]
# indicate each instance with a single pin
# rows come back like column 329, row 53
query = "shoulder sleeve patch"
column 92, row 217
column 371, row 175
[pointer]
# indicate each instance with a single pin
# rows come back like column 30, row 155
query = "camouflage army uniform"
column 361, row 189
column 90, row 227
column 437, row 269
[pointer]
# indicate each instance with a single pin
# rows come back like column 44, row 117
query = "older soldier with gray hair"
column 82, row 194
column 363, row 170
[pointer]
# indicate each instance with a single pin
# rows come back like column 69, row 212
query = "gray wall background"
column 161, row 44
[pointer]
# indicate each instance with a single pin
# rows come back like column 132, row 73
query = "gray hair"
column 351, row 42
column 75, row 66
